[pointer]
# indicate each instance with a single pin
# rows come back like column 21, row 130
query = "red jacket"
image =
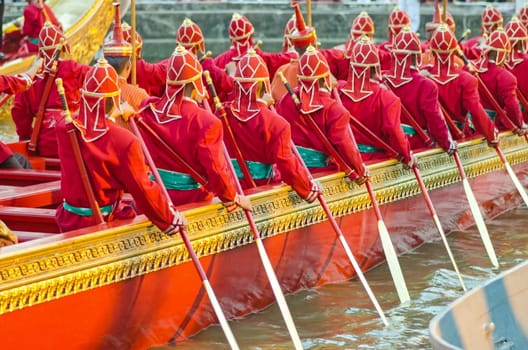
column 502, row 84
column 420, row 97
column 519, row 71
column 197, row 137
column 26, row 105
column 151, row 76
column 266, row 138
column 460, row 97
column 380, row 112
column 115, row 165
column 272, row 60
column 333, row 120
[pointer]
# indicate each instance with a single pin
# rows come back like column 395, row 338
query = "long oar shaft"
column 475, row 210
column 345, row 244
column 513, row 177
column 274, row 282
column 388, row 247
column 432, row 211
column 198, row 266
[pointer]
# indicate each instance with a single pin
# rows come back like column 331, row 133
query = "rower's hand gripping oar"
column 472, row 201
column 198, row 266
column 87, row 185
column 274, row 282
column 342, row 239
column 500, row 111
column 421, row 184
column 388, row 248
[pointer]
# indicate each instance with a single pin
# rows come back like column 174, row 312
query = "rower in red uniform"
column 398, row 19
column 263, row 136
column 418, row 94
column 517, row 61
column 241, row 33
column 195, row 134
column 28, row 103
column 13, row 84
column 523, row 15
column 374, row 105
column 302, row 37
column 114, row 160
column 331, row 117
column 458, row 89
column 149, row 76
column 190, row 36
column 501, row 83
column 491, row 20
column 36, row 13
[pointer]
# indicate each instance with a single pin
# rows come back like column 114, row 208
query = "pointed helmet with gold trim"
column 361, row 25
column 406, row 45
column 312, row 68
column 303, row 35
column 241, row 33
column 518, row 36
column 523, row 15
column 251, row 81
column 190, row 36
column 117, row 45
column 183, row 69
column 443, row 44
column 398, row 19
column 439, row 18
column 491, row 19
column 289, row 29
column 127, row 35
column 363, row 58
column 51, row 39
column 100, row 83
column 499, row 43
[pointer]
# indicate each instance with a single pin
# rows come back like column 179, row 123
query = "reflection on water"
column 341, row 316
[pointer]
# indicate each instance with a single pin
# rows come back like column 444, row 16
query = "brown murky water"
column 340, row 316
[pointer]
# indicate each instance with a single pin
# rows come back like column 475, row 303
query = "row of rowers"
column 267, row 141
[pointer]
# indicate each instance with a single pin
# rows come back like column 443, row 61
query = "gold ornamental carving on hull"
column 73, row 265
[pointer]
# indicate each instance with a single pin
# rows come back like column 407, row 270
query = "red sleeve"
column 152, row 76
column 146, row 193
column 275, row 60
column 507, row 86
column 435, row 122
column 471, row 102
column 391, row 126
column 210, row 151
column 14, row 84
column 5, row 152
column 23, row 115
column 223, row 83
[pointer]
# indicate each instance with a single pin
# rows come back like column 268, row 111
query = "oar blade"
column 517, row 183
column 394, row 265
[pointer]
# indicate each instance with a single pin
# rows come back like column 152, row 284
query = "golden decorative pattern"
column 65, row 267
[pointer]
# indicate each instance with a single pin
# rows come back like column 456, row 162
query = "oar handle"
column 88, row 189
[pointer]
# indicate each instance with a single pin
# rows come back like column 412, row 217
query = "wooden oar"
column 342, row 239
column 423, row 189
column 473, row 205
column 272, row 277
column 198, row 266
column 388, row 247
column 87, row 186
column 484, row 89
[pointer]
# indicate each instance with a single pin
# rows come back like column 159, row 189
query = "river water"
column 341, row 316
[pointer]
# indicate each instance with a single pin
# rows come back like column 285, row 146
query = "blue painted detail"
column 449, row 329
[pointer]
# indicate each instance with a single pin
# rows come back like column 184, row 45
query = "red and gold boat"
column 130, row 286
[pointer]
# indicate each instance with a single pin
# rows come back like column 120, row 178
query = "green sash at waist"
column 174, row 180
column 34, row 41
column 368, row 149
column 312, row 158
column 491, row 113
column 107, row 209
column 258, row 170
column 408, row 130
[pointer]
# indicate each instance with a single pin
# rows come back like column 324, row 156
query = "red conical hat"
column 398, row 19
column 364, row 56
column 117, row 45
column 443, row 45
column 100, row 83
column 190, row 35
column 303, row 35
column 405, row 44
column 127, row 35
column 250, row 71
column 523, row 15
column 51, row 39
column 289, row 29
column 491, row 18
column 518, row 35
column 499, row 42
column 312, row 67
column 241, row 33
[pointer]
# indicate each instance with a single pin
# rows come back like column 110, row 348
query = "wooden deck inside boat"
column 493, row 316
column 126, row 285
